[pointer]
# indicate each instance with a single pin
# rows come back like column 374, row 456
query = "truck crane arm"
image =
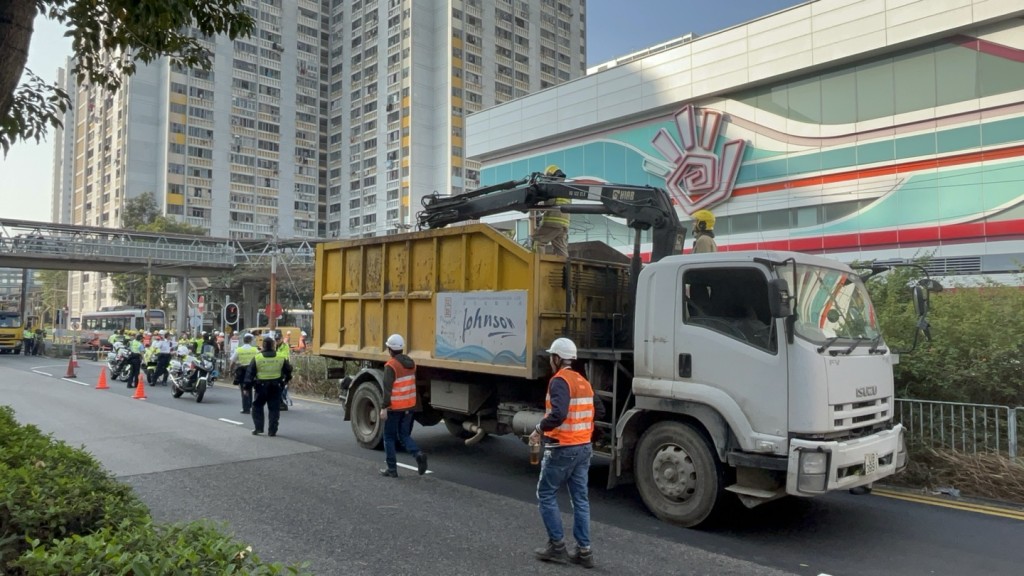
column 643, row 207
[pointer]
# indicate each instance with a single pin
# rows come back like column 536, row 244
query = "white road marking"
column 231, row 422
column 76, row 381
column 411, row 467
column 43, row 373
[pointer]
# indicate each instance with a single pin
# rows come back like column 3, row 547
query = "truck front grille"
column 853, row 416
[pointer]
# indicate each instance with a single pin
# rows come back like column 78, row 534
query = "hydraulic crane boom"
column 643, row 207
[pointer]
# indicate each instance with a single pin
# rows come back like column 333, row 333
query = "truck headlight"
column 813, row 473
column 901, row 451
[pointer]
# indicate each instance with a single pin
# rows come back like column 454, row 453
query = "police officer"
column 239, row 363
column 266, row 374
column 163, row 358
column 135, row 350
column 283, row 351
column 28, row 340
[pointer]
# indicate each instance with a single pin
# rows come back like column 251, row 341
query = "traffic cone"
column 74, row 359
column 140, row 389
column 102, row 383
column 71, row 368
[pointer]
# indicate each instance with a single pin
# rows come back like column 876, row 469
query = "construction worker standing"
column 266, row 374
column 397, row 409
column 566, row 430
column 135, row 350
column 554, row 224
column 239, row 363
column 704, row 232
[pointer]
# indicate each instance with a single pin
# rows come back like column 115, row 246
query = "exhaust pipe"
column 478, row 433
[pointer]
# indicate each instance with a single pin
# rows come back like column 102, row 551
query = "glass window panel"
column 774, row 100
column 743, row 223
column 838, row 210
column 999, row 75
column 874, row 90
column 914, row 76
column 806, row 216
column 839, row 98
column 956, row 74
column 775, row 220
column 805, row 100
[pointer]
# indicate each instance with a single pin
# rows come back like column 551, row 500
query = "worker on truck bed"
column 704, row 232
column 566, row 430
column 554, row 224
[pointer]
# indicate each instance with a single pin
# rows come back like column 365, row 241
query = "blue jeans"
column 398, row 425
column 567, row 465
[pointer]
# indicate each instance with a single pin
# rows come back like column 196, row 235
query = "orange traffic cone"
column 102, row 383
column 71, row 368
column 140, row 390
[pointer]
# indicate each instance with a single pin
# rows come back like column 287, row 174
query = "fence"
column 965, row 428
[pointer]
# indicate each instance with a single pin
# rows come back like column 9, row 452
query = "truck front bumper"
column 817, row 467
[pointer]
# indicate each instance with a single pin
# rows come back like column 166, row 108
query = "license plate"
column 870, row 463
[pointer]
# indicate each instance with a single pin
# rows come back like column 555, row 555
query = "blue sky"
column 615, row 28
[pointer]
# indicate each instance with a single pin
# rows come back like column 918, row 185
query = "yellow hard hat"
column 554, row 171
column 705, row 219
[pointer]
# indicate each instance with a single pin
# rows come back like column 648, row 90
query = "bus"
column 109, row 320
column 299, row 317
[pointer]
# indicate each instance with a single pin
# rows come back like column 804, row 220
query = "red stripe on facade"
column 990, row 48
column 906, row 167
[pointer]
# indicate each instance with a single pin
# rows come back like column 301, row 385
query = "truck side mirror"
column 920, row 300
column 779, row 300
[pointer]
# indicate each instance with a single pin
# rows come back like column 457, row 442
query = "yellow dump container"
column 464, row 298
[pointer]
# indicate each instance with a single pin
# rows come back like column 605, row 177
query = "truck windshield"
column 10, row 321
column 832, row 306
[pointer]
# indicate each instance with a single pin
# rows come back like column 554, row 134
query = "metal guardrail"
column 965, row 428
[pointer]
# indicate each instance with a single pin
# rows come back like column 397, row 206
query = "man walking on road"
column 396, row 412
column 566, row 429
column 266, row 374
column 239, row 363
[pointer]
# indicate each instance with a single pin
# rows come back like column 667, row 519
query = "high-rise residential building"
column 403, row 77
column 334, row 118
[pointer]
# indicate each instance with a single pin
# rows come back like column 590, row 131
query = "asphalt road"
column 313, row 495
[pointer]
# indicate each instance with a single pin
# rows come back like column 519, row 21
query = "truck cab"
column 11, row 328
column 776, row 360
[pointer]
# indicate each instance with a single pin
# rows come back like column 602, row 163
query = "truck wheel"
column 677, row 473
column 365, row 411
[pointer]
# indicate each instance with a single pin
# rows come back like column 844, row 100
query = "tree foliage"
column 977, row 350
column 109, row 39
column 143, row 214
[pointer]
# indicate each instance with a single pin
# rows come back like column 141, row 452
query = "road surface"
column 313, row 495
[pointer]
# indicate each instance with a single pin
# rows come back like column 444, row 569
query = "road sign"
column 196, row 322
column 277, row 310
column 201, row 304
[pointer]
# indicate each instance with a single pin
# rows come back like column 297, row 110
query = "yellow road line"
column 965, row 506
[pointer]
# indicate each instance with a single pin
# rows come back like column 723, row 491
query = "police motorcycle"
column 191, row 374
column 117, row 362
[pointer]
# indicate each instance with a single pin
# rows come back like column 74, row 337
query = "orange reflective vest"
column 578, row 426
column 403, row 392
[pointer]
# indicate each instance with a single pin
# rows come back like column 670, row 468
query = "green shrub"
column 196, row 549
column 976, row 353
column 49, row 490
column 310, row 375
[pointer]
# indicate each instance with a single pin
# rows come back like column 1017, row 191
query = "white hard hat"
column 564, row 348
column 163, row 332
column 304, row 333
column 182, row 350
column 395, row 342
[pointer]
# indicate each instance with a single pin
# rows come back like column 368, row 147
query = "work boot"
column 421, row 463
column 272, row 433
column 553, row 552
column 388, row 473
column 257, row 432
column 582, row 556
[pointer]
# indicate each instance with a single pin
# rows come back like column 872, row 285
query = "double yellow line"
column 1011, row 513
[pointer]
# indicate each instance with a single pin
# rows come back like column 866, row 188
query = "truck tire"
column 678, row 474
column 365, row 416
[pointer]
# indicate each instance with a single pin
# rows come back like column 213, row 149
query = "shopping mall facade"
column 864, row 129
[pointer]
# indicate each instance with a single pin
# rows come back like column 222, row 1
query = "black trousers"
column 246, row 394
column 135, row 361
column 27, row 344
column 266, row 393
column 163, row 360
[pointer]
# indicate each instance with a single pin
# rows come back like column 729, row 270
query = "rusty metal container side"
column 366, row 289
